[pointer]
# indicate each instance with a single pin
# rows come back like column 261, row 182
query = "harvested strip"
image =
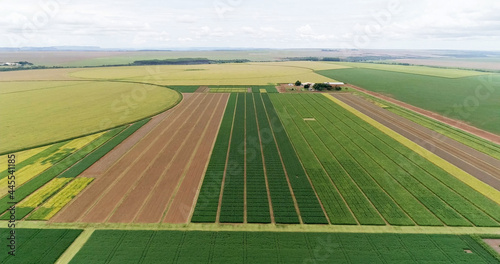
column 101, row 151
column 153, row 209
column 183, row 203
column 135, row 173
column 208, row 199
column 102, row 165
column 88, row 197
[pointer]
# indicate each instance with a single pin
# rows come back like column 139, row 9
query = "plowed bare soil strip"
column 202, row 89
column 479, row 165
column 145, row 172
column 88, row 197
column 184, row 200
column 130, row 205
column 152, row 210
column 452, row 122
column 101, row 166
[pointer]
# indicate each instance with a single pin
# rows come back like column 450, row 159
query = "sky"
column 163, row 24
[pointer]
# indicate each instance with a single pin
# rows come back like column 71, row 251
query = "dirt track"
column 478, row 164
column 452, row 122
column 139, row 186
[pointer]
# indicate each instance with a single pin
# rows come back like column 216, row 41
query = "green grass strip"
column 35, row 183
column 42, row 154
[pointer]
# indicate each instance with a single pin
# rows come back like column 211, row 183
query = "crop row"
column 37, row 198
column 59, row 200
column 276, row 247
column 355, row 198
column 416, row 179
column 281, row 197
column 256, row 190
column 232, row 206
column 60, row 155
column 463, row 199
column 309, row 206
column 335, row 207
column 208, row 199
column 76, row 163
column 38, row 245
column 28, row 157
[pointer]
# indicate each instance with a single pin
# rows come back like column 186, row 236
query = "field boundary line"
column 245, row 205
column 219, row 205
column 271, row 212
column 434, row 116
column 307, row 175
column 292, row 193
column 392, row 176
column 167, row 167
column 313, row 228
column 349, row 153
column 289, row 117
column 202, row 179
column 119, row 177
column 370, row 202
column 470, row 180
column 191, row 159
column 75, row 247
column 444, row 184
column 459, row 154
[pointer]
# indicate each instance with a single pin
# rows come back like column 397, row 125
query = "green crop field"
column 473, row 100
column 372, row 171
column 259, row 152
column 37, row 245
column 63, row 110
column 269, row 247
column 420, row 70
column 461, row 136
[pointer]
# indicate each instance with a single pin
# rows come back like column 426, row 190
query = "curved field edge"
column 473, row 182
column 128, row 122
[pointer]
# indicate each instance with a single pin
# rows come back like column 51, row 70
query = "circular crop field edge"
column 107, row 129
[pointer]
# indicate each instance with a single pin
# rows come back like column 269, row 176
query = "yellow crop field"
column 37, row 75
column 58, row 201
column 38, row 197
column 422, row 70
column 311, row 65
column 29, row 172
column 59, row 110
column 21, row 156
column 212, row 74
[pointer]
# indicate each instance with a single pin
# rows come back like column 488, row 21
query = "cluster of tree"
column 323, row 86
column 186, row 61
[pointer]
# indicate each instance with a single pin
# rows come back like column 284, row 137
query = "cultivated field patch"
column 269, row 247
column 371, row 174
column 74, row 109
column 169, row 148
column 453, row 98
column 420, row 70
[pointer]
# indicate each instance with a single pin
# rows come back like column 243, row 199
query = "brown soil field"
column 138, row 187
column 101, row 166
column 452, row 122
column 202, row 89
column 478, row 164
